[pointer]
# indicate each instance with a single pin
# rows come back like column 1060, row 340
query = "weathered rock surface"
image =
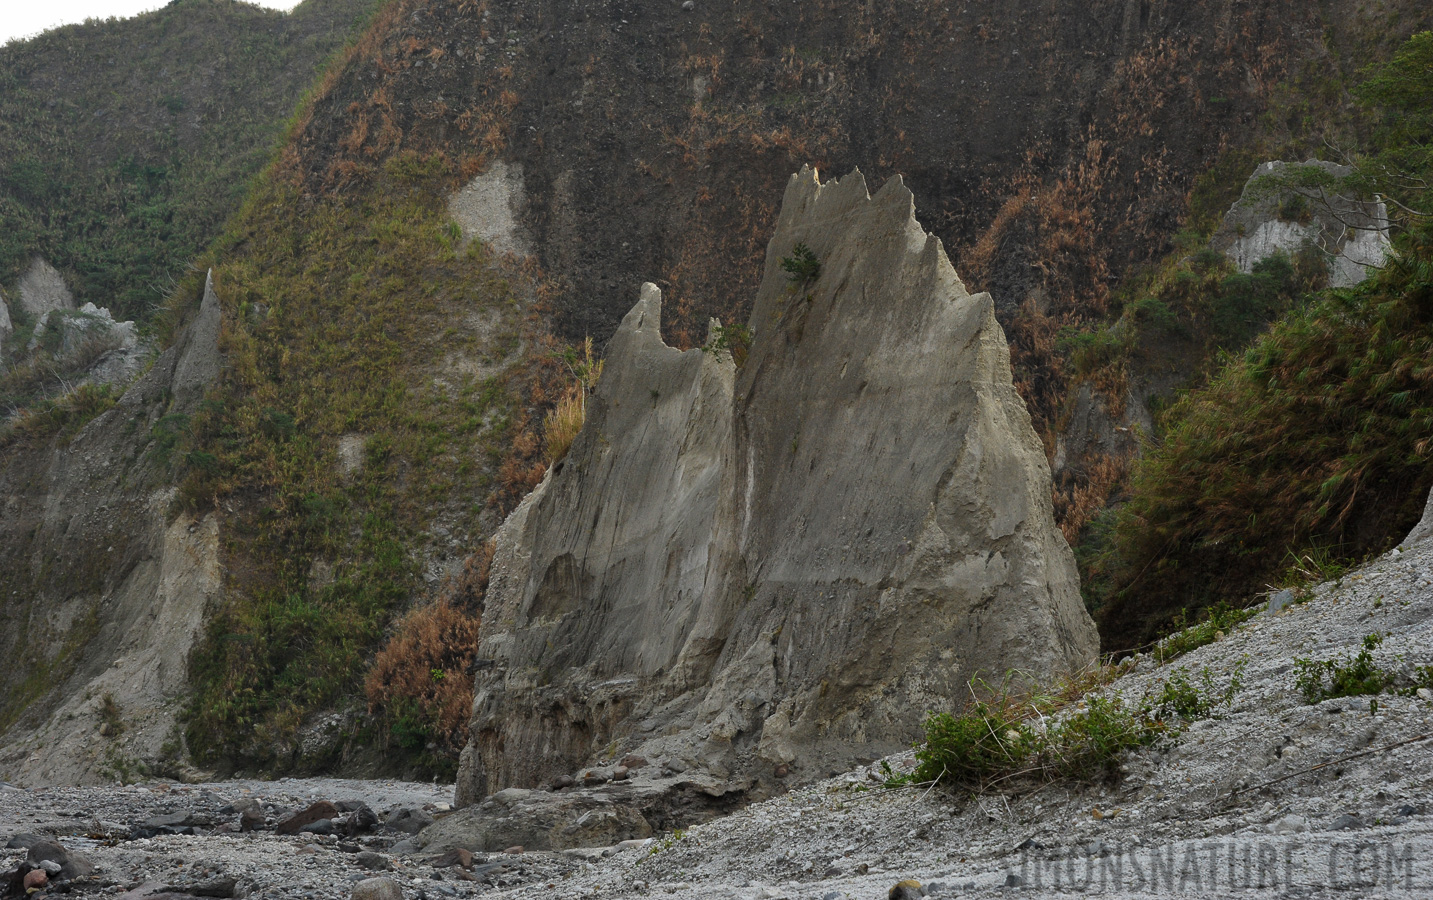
column 7, row 327
column 81, row 346
column 42, row 289
column 490, row 206
column 774, row 572
column 105, row 588
column 1269, row 219
column 1424, row 529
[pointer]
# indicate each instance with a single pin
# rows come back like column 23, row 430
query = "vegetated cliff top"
column 126, row 144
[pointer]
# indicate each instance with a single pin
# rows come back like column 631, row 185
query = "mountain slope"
column 126, row 144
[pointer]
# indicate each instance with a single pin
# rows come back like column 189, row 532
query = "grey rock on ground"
column 377, row 889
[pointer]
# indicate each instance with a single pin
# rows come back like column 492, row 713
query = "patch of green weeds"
column 1217, row 621
column 666, row 843
column 1344, row 676
column 1009, row 735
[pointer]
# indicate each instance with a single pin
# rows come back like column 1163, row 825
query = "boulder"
column 409, row 820
column 787, row 565
column 377, row 889
column 581, row 817
column 322, row 811
column 72, row 865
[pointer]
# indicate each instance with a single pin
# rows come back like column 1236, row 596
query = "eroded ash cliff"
column 764, row 573
column 107, row 587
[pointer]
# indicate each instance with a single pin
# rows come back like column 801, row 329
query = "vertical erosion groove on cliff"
column 780, row 569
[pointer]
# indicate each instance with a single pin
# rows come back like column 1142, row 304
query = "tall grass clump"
column 565, row 419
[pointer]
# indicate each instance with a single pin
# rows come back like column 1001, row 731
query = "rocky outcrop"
column 770, row 572
column 42, row 289
column 63, row 347
column 103, row 588
column 1287, row 207
column 1424, row 529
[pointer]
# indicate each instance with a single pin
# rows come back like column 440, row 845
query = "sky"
column 27, row 18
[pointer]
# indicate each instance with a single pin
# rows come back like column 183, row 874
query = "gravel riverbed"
column 1271, row 796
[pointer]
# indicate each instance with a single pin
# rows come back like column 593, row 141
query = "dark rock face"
column 785, row 567
column 1052, row 144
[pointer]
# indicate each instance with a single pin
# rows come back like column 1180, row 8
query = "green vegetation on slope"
column 360, row 319
column 125, row 145
column 1316, row 436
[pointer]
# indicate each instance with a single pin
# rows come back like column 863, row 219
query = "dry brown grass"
column 565, row 420
column 423, row 679
column 563, row 423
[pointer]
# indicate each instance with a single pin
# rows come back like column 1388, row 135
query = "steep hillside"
column 388, row 367
column 1054, row 145
column 126, row 144
column 1310, row 450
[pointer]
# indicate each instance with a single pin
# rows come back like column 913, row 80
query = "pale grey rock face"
column 1424, row 529
column 771, row 573
column 7, row 328
column 87, row 344
column 42, row 289
column 488, row 208
column 1352, row 234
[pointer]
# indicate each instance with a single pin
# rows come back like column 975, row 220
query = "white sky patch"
column 27, row 18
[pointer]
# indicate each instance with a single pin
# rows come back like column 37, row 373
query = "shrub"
column 421, row 681
column 1092, row 349
column 1010, row 735
column 734, row 338
column 1155, row 313
column 970, row 749
column 1088, row 744
column 111, row 716
column 1295, row 208
column 801, row 266
column 1342, row 677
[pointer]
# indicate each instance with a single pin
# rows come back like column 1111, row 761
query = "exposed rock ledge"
column 767, row 574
